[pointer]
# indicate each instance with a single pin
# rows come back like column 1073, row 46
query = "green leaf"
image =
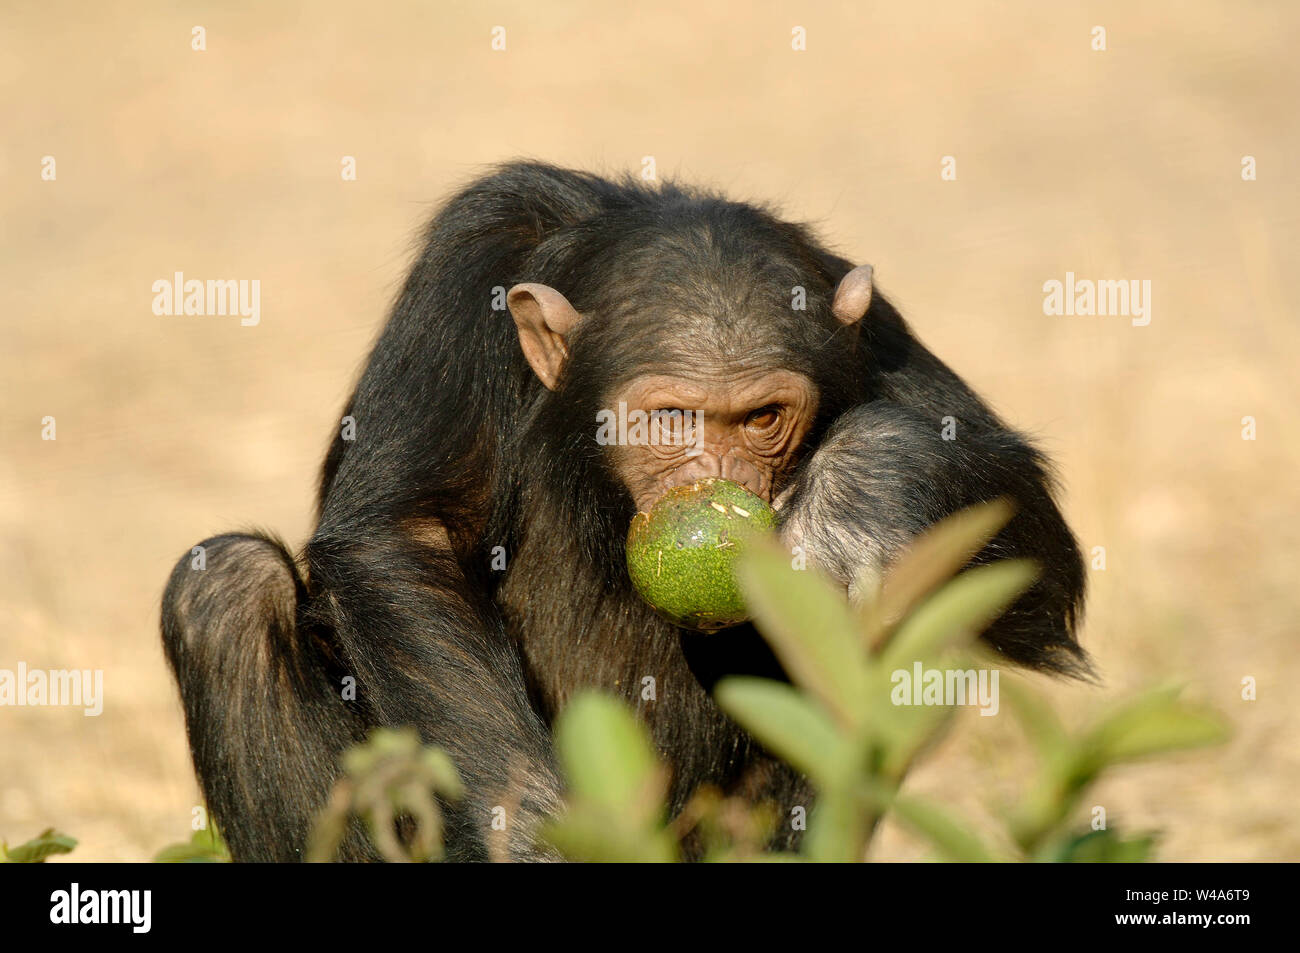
column 439, row 768
column 808, row 623
column 593, row 835
column 838, row 829
column 1154, row 723
column 608, row 759
column 1102, row 847
column 939, row 554
column 903, row 731
column 958, row 612
column 789, row 725
column 1041, row 726
column 954, row 840
column 615, row 810
column 203, row 847
column 46, row 844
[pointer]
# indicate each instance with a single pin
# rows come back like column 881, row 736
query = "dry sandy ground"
column 226, row 163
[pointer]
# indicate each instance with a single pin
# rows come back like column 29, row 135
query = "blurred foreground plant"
column 204, row 847
column 838, row 722
column 615, row 805
column 390, row 777
column 839, row 725
column 45, row 844
column 841, row 722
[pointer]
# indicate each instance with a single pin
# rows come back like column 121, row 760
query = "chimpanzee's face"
column 707, row 411
column 743, row 425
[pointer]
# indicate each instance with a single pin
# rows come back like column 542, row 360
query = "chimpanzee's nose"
column 727, row 466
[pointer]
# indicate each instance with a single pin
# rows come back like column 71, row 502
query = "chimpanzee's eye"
column 764, row 419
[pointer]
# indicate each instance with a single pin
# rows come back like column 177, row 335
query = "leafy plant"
column 839, row 722
column 204, row 847
column 1156, row 722
column 45, row 844
column 389, row 780
column 615, row 808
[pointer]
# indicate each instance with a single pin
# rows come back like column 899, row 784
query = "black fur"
column 459, row 449
column 884, row 473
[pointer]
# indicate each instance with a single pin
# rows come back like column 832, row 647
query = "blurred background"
column 225, row 162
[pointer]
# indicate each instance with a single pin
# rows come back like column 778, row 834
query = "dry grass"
column 226, row 163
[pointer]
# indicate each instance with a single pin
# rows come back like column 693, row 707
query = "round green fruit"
column 681, row 554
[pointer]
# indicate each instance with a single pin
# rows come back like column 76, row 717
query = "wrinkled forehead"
column 704, row 302
column 734, row 393
column 709, row 345
column 720, row 268
column 708, row 324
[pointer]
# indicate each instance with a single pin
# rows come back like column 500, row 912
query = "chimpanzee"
column 467, row 574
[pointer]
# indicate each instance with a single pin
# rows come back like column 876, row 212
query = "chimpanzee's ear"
column 543, row 318
column 853, row 296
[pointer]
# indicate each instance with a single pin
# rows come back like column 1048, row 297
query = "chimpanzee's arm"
column 885, row 472
column 262, row 667
column 427, row 652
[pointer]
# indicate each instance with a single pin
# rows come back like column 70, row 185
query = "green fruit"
column 681, row 554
